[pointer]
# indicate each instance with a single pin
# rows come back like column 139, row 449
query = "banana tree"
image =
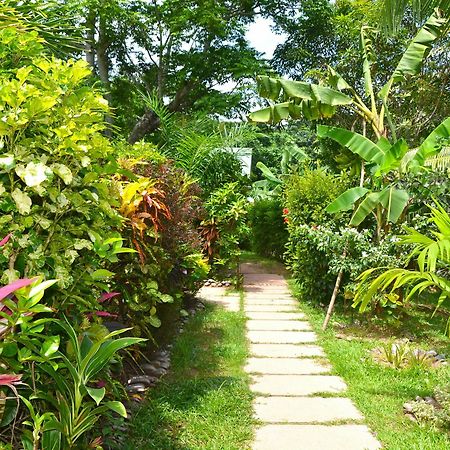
column 315, row 101
column 387, row 163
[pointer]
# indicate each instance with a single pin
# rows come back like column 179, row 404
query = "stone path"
column 299, row 404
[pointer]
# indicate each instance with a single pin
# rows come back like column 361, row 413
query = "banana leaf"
column 411, row 61
column 346, row 200
column 356, row 143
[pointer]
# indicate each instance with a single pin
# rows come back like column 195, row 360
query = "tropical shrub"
column 51, row 370
column 55, row 195
column 224, row 228
column 162, row 207
column 306, row 197
column 268, row 228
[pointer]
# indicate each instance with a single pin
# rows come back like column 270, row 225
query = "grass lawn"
column 380, row 391
column 205, row 402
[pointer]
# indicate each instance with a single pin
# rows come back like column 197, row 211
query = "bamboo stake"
column 334, row 296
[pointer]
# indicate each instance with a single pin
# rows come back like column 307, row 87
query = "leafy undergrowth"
column 205, row 402
column 380, row 391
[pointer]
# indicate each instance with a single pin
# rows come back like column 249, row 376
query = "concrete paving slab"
column 270, row 308
column 304, row 409
column 271, row 301
column 281, row 337
column 285, row 350
column 278, row 325
column 297, row 385
column 286, row 366
column 266, row 315
column 249, row 288
column 315, row 437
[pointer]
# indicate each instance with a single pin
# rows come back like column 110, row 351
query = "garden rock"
column 136, row 388
column 147, row 380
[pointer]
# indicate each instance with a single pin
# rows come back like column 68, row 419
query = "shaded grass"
column 205, row 401
column 380, row 391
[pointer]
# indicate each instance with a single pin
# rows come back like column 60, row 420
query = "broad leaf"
column 97, row 394
column 416, row 52
column 271, row 114
column 346, row 200
column 117, row 407
column 50, row 346
column 267, row 173
column 310, row 91
column 101, row 274
column 394, row 201
column 393, row 157
column 430, row 145
column 365, row 208
column 269, row 87
column 355, row 142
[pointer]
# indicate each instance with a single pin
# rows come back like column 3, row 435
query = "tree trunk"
column 150, row 122
column 90, row 39
column 103, row 68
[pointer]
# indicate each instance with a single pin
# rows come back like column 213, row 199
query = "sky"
column 262, row 38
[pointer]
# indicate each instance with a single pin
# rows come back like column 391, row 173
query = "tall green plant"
column 387, row 162
column 316, row 101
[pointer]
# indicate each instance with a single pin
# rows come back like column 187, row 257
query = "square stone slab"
column 264, row 289
column 281, row 337
column 304, row 409
column 285, row 366
column 314, row 437
column 270, row 308
column 285, row 350
column 278, row 325
column 264, row 315
column 297, row 385
column 271, row 301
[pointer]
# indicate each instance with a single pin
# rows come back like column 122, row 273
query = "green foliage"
column 60, row 400
column 77, row 405
column 307, row 195
column 56, row 198
column 436, row 414
column 162, row 207
column 268, row 229
column 320, row 100
column 431, row 256
column 225, row 227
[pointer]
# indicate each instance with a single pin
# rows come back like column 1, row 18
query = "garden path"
column 299, row 404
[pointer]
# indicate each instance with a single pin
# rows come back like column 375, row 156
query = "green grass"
column 205, row 402
column 380, row 391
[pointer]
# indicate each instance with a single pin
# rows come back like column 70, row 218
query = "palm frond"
column 393, row 12
column 55, row 22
